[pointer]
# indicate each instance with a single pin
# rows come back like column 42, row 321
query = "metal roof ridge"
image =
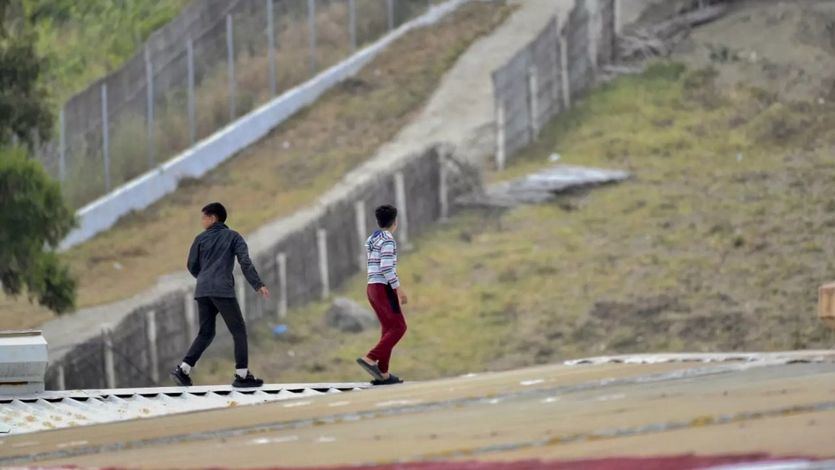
column 30, row 332
column 193, row 390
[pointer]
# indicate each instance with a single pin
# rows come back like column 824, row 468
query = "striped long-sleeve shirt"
column 382, row 259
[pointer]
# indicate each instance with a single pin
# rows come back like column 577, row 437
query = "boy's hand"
column 401, row 296
column 265, row 293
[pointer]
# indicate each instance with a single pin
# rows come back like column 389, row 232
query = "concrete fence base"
column 300, row 265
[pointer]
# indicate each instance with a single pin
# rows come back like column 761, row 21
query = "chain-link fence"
column 215, row 62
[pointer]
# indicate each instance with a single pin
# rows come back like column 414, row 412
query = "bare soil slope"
column 785, row 47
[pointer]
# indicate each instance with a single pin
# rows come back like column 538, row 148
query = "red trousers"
column 384, row 301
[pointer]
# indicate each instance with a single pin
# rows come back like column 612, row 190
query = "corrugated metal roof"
column 61, row 409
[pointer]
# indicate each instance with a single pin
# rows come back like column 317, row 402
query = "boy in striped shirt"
column 385, row 295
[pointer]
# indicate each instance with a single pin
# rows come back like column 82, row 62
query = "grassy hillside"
column 84, row 40
column 284, row 172
column 718, row 242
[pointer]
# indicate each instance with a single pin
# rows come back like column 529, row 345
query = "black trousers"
column 207, row 310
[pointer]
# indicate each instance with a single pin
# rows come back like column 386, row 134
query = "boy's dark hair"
column 216, row 209
column 386, row 215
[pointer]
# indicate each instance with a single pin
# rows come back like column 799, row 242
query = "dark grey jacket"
column 212, row 257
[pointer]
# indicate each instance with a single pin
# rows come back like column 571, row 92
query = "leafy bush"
column 33, row 216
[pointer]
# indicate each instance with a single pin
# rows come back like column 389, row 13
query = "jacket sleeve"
column 193, row 263
column 242, row 253
column 388, row 263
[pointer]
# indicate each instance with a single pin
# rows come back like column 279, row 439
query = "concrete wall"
column 318, row 256
column 543, row 78
column 211, row 152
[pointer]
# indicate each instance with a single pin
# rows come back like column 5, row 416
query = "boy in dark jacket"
column 210, row 260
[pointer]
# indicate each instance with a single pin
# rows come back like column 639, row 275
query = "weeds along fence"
column 216, row 61
column 301, row 264
column 543, row 78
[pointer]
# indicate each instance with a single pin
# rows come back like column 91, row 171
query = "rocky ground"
column 783, row 47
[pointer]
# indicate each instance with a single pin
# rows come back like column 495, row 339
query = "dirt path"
column 461, row 111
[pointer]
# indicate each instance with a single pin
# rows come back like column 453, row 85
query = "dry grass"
column 284, row 172
column 129, row 142
column 717, row 243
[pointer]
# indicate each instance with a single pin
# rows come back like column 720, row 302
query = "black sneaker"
column 250, row 381
column 182, row 379
column 393, row 379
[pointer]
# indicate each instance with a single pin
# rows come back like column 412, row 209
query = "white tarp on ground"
column 545, row 185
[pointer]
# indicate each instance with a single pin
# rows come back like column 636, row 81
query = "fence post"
column 192, row 117
column 62, row 146
column 230, row 60
column 593, row 32
column 533, row 92
column 37, row 150
column 190, row 314
column 149, row 88
column 151, row 336
column 281, row 265
column 271, row 47
column 402, row 218
column 390, row 13
column 565, row 72
column 105, row 136
column 443, row 186
column 618, row 17
column 500, row 135
column 352, row 23
column 311, row 22
column 359, row 211
column 109, row 365
column 322, row 246
column 555, row 82
column 61, row 381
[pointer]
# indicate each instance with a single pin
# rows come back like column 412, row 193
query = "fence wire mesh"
column 216, row 61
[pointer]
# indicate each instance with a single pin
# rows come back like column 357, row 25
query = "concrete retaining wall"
column 543, row 78
column 299, row 266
